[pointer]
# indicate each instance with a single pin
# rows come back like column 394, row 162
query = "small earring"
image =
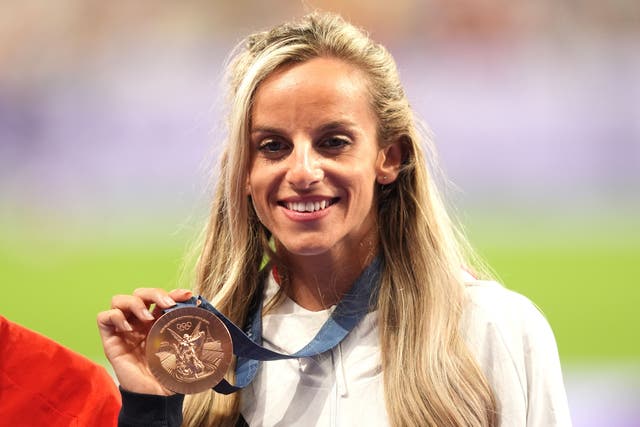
column 384, row 178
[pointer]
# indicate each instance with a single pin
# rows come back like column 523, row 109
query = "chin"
column 305, row 250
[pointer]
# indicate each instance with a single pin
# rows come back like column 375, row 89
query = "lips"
column 309, row 205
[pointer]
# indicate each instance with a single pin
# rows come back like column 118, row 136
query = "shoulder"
column 512, row 315
column 498, row 321
column 515, row 347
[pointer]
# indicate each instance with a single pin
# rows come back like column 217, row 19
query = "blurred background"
column 110, row 124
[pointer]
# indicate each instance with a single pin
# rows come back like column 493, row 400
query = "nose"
column 305, row 168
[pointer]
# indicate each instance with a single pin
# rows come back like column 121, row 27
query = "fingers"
column 138, row 304
column 180, row 295
column 113, row 319
column 132, row 307
column 126, row 307
column 154, row 295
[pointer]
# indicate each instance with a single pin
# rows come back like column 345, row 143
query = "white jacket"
column 511, row 340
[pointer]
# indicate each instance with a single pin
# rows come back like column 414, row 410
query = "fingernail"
column 147, row 314
column 168, row 300
column 127, row 326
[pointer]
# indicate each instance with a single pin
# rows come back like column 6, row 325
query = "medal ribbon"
column 247, row 346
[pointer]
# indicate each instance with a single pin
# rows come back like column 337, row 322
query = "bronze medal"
column 189, row 350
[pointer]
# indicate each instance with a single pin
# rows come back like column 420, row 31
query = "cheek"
column 255, row 181
column 260, row 187
column 363, row 187
column 259, row 206
column 257, row 193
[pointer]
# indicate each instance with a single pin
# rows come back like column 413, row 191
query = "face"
column 316, row 158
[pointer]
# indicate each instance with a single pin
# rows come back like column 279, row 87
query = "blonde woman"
column 324, row 176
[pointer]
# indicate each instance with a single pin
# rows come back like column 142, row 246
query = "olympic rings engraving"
column 183, row 326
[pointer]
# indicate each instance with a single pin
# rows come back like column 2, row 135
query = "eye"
column 273, row 148
column 335, row 142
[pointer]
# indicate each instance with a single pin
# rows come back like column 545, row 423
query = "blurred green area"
column 55, row 280
column 582, row 273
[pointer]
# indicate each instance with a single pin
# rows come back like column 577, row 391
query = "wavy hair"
column 421, row 294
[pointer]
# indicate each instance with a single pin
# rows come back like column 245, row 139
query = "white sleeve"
column 546, row 397
column 515, row 348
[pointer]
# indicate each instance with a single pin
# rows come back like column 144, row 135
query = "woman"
column 323, row 175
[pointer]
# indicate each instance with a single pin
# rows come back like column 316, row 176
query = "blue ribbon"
column 353, row 306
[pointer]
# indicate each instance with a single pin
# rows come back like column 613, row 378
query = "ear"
column 247, row 187
column 389, row 162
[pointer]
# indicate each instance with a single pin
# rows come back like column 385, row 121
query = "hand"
column 123, row 330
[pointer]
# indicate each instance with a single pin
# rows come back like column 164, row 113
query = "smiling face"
column 315, row 159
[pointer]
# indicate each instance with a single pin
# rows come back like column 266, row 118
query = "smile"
column 314, row 206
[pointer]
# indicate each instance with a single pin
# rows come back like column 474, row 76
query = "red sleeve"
column 45, row 383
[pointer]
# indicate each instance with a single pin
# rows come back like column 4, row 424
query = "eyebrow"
column 336, row 125
column 265, row 129
column 326, row 127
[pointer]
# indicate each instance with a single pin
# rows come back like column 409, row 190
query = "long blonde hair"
column 430, row 377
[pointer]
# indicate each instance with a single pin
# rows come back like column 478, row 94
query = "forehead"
column 322, row 86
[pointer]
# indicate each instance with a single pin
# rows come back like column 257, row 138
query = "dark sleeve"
column 241, row 422
column 149, row 410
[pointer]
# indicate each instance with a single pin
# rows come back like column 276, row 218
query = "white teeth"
column 308, row 206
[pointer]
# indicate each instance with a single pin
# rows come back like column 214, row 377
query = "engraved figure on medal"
column 190, row 357
column 189, row 350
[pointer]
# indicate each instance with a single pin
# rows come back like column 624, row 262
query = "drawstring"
column 341, row 375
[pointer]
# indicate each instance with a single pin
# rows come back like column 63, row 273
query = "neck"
column 320, row 281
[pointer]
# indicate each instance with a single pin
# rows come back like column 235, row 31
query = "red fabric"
column 43, row 383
